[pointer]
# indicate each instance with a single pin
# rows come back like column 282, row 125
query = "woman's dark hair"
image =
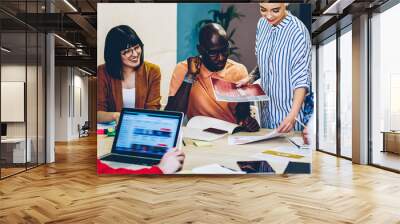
column 119, row 38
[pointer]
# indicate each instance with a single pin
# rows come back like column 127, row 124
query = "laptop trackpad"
column 130, row 166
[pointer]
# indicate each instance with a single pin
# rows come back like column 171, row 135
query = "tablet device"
column 298, row 168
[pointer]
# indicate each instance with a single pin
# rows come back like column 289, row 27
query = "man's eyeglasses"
column 214, row 53
column 129, row 52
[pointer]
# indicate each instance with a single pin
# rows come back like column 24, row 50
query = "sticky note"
column 202, row 143
column 283, row 154
column 110, row 132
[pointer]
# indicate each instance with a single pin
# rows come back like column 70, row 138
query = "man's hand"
column 250, row 124
column 243, row 82
column 287, row 124
column 194, row 64
column 172, row 161
column 252, row 77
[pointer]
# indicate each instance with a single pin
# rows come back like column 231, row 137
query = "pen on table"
column 294, row 143
column 229, row 168
column 304, row 126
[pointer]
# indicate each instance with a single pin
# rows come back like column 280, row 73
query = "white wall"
column 156, row 26
column 67, row 114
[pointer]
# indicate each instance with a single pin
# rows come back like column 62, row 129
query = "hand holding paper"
column 227, row 91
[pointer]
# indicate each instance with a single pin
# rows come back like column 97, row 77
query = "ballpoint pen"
column 294, row 143
column 229, row 168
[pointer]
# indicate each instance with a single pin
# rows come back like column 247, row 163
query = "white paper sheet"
column 214, row 169
column 240, row 140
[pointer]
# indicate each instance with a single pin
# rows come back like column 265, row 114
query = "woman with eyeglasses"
column 283, row 51
column 125, row 80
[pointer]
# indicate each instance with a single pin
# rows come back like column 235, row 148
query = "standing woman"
column 125, row 80
column 283, row 50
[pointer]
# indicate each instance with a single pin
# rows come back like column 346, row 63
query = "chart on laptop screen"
column 153, row 134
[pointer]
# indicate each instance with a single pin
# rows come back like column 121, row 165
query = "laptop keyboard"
column 131, row 160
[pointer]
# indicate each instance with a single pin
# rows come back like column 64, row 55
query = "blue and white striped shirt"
column 284, row 60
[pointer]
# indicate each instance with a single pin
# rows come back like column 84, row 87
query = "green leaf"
column 231, row 34
column 224, row 18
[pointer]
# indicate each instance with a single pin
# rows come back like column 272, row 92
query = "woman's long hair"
column 119, row 38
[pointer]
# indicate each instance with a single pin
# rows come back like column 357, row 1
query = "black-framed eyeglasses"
column 214, row 53
column 129, row 52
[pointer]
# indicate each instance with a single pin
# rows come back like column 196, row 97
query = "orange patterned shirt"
column 202, row 100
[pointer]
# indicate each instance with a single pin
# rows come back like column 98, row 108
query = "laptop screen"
column 147, row 133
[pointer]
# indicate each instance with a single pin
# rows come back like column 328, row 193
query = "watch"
column 189, row 78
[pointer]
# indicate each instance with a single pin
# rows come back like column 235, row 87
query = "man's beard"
column 211, row 66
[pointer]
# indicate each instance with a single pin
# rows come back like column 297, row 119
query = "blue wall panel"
column 189, row 14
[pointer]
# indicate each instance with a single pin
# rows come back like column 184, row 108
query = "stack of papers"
column 240, row 140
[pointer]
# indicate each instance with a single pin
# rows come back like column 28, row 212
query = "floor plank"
column 69, row 191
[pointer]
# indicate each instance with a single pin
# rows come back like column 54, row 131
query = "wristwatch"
column 189, row 78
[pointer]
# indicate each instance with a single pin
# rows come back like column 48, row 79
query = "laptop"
column 144, row 136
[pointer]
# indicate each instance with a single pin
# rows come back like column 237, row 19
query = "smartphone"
column 259, row 166
column 215, row 131
column 298, row 168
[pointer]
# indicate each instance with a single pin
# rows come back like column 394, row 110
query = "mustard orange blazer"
column 147, row 89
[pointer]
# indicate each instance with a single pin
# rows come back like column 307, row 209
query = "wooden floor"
column 10, row 171
column 70, row 191
column 387, row 159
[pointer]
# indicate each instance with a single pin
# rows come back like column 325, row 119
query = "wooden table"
column 391, row 141
column 224, row 154
column 14, row 152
